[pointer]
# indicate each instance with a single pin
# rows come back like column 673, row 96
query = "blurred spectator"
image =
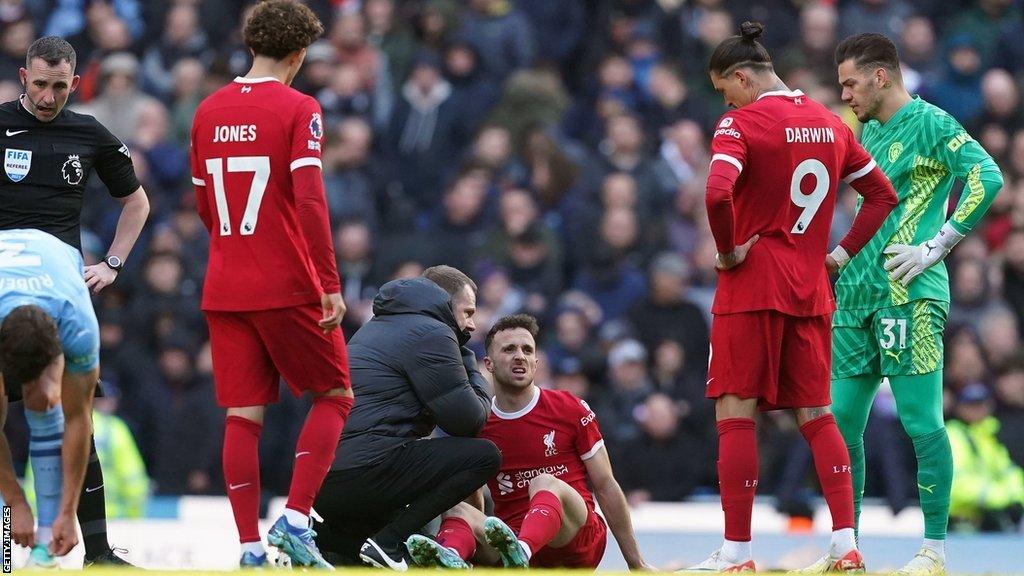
column 672, row 102
column 69, row 17
column 386, row 32
column 501, row 35
column 1000, row 338
column 369, row 71
column 189, row 454
column 574, row 347
column 353, row 246
column 126, row 485
column 629, row 385
column 559, row 27
column 879, row 16
column 353, row 179
column 622, row 150
column 683, row 156
column 958, row 91
column 474, row 91
column 815, row 50
column 980, row 20
column 457, row 228
column 105, row 35
column 668, row 460
column 918, row 54
column 988, row 494
column 666, row 315
column 187, row 93
column 15, row 39
column 119, row 102
column 182, row 38
column 426, row 130
column 1010, row 407
column 1002, row 108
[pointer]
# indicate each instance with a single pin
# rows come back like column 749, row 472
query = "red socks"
column 455, row 533
column 832, row 462
column 315, row 449
column 737, row 475
column 542, row 521
column 241, row 461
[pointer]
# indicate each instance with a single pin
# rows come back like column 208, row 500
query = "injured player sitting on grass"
column 551, row 446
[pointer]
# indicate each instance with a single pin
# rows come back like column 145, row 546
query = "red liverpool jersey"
column 249, row 139
column 553, row 434
column 791, row 153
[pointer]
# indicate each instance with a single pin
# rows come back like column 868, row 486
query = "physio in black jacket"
column 411, row 371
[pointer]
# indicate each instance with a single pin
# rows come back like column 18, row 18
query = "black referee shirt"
column 47, row 165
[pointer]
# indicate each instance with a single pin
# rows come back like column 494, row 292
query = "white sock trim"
column 843, row 540
column 296, row 519
column 254, row 547
column 526, row 549
column 736, row 552
column 937, row 546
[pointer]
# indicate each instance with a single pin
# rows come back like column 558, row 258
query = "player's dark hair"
column 741, row 50
column 450, row 279
column 869, row 50
column 53, row 50
column 511, row 322
column 28, row 344
column 276, row 28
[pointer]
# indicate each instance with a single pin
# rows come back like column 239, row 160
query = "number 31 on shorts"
column 894, row 331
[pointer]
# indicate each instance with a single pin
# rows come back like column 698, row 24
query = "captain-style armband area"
column 840, row 255
column 947, row 237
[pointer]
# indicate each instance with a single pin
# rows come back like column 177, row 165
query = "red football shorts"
column 784, row 361
column 253, row 350
column 585, row 550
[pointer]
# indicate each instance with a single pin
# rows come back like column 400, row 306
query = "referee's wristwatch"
column 113, row 262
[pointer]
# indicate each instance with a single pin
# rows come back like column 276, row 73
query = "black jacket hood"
column 418, row 296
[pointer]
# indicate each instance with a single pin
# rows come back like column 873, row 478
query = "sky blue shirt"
column 37, row 268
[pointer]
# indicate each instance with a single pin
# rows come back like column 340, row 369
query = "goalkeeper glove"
column 907, row 262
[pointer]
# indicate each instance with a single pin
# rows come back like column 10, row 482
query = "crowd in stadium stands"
column 556, row 152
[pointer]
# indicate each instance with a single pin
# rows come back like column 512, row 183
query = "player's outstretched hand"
column 334, row 310
column 65, row 534
column 23, row 530
column 99, row 276
column 737, row 256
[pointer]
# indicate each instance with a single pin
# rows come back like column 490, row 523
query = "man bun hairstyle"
column 53, row 50
column 276, row 28
column 450, row 279
column 741, row 50
column 28, row 344
column 511, row 322
column 869, row 50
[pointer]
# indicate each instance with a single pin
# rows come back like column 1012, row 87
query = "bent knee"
column 547, row 482
column 485, row 455
column 461, row 510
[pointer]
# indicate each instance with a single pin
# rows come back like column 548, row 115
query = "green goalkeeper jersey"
column 923, row 150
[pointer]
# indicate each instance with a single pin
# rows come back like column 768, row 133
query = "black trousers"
column 395, row 498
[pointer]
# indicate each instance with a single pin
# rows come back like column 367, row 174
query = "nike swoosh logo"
column 94, row 489
column 297, row 454
column 708, row 382
column 15, row 132
column 237, row 486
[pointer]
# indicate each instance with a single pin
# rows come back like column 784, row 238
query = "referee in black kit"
column 48, row 155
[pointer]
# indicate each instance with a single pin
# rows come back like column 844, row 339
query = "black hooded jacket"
column 410, row 372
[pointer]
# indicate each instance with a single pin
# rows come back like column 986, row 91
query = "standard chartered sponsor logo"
column 508, row 483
